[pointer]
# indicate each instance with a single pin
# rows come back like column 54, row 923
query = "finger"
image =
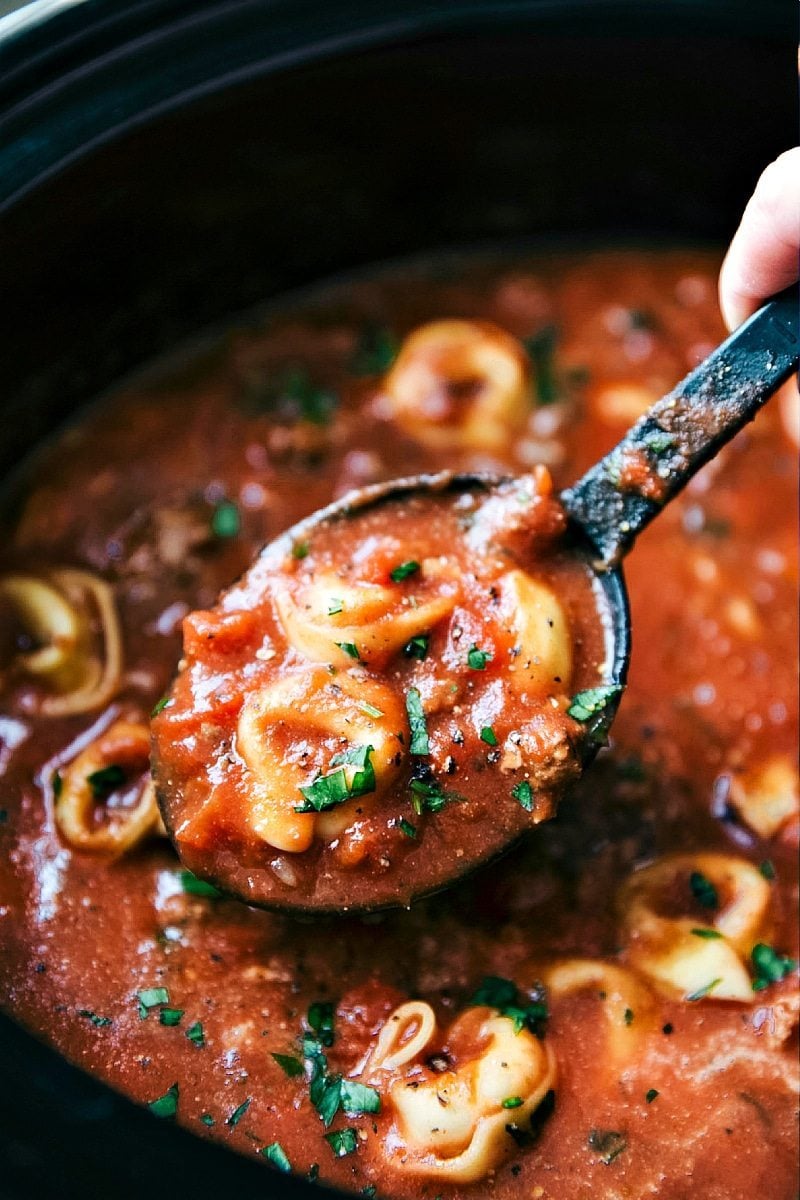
column 763, row 257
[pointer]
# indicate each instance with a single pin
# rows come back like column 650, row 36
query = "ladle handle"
column 621, row 494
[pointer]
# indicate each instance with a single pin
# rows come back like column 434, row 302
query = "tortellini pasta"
column 378, row 621
column 116, row 762
column 695, row 957
column 295, row 728
column 79, row 666
column 766, row 796
column 460, row 385
column 451, row 1119
column 541, row 634
column 627, row 1004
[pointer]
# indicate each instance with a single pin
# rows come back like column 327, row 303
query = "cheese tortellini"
column 70, row 622
column 304, row 725
column 767, row 796
column 460, row 385
column 451, row 1109
column 115, row 763
column 541, row 633
column 696, row 957
column 627, row 1004
column 376, row 620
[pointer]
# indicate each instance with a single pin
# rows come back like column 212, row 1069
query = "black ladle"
column 608, row 508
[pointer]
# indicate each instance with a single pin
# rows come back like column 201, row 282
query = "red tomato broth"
column 711, row 696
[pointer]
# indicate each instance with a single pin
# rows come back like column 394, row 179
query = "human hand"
column 763, row 257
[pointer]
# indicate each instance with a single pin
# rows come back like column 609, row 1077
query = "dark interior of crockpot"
column 161, row 232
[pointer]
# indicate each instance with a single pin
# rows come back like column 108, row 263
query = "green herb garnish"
column 198, row 887
column 320, row 1020
column 523, row 794
column 207, row 1119
column 275, row 1154
column 593, row 702
column 159, row 706
column 291, row 1066
column 342, row 1141
column 427, row 796
column 704, row 991
column 170, row 1016
column 407, row 828
column 358, row 1099
column 237, row 1114
column 98, row 1022
column 767, row 870
column 703, row 890
column 477, row 658
column 167, row 1105
column 377, row 350
column 541, row 347
column 335, row 607
column 607, row 1143
column 57, row 784
column 488, row 735
column 513, row 1102
column 149, row 998
column 350, row 649
column 370, row 709
column 524, row 1011
column 628, row 1016
column 651, row 1094
column 226, row 521
column 104, row 781
column 353, row 775
column 195, row 1035
column 417, row 647
column 710, row 935
column 770, row 967
column 403, row 570
column 416, row 719
column 300, row 550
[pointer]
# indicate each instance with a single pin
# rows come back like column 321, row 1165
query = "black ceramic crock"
column 166, row 163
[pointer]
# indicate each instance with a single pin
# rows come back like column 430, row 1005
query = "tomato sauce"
column 646, row 976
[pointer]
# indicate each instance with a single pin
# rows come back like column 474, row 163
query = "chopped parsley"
column 198, row 887
column 335, row 606
column 195, row 1035
column 488, row 735
column 226, row 521
column 710, row 935
column 207, row 1119
column 320, row 1020
column 353, row 775
column 377, row 350
column 513, row 1102
column 358, row 1099
column 628, row 1016
column 342, row 1141
column 167, row 1105
column 237, row 1114
column 523, row 794
column 275, row 1154
column 300, row 550
column 57, row 784
column 403, row 570
column 541, row 347
column 416, row 719
column 408, row 829
column 607, row 1143
column 477, row 658
column 417, row 647
column 153, row 997
column 767, row 870
column 105, row 780
column 427, row 796
column 651, row 1094
column 703, row 890
column 658, row 441
column 170, row 1016
column 524, row 1011
column 370, row 709
column 159, row 706
column 98, row 1022
column 291, row 1066
column 770, row 967
column 704, row 991
column 350, row 649
column 593, row 702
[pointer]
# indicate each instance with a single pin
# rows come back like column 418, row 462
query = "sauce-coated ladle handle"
column 622, row 493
